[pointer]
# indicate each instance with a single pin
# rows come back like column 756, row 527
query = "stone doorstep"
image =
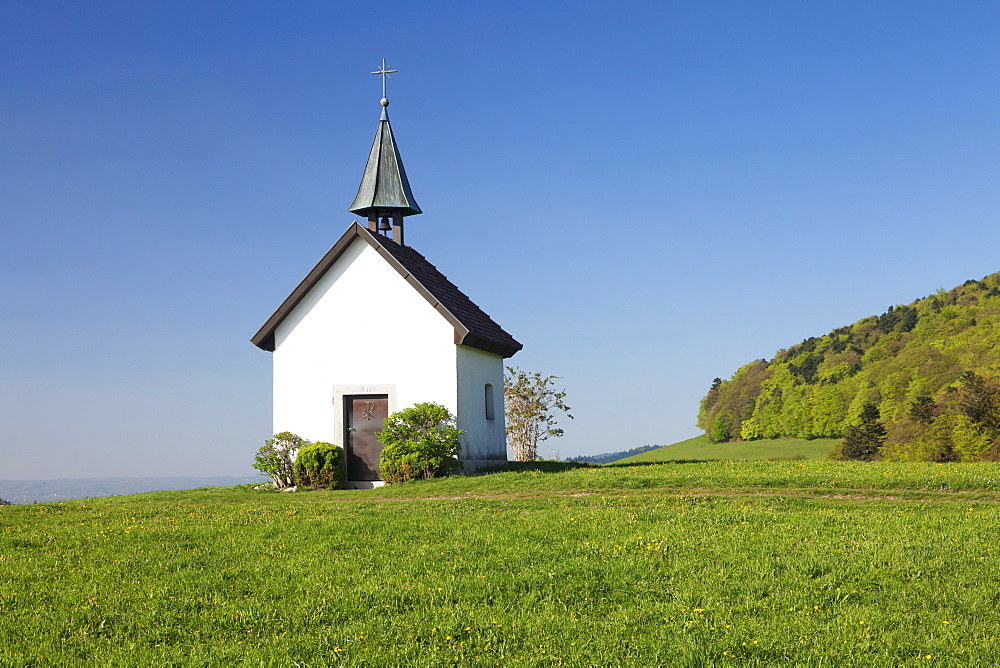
column 363, row 484
column 468, row 466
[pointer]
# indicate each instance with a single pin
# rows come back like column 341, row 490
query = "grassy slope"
column 699, row 448
column 716, row 563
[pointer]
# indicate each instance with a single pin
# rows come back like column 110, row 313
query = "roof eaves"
column 416, row 284
column 463, row 334
column 488, row 345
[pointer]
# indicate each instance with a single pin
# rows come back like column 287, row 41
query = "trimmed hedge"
column 420, row 442
column 321, row 465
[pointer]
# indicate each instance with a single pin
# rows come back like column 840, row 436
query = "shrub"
column 321, row 465
column 420, row 442
column 276, row 458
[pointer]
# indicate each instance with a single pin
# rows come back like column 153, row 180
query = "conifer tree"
column 863, row 441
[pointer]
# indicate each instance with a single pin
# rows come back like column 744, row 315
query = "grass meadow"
column 711, row 563
column 700, row 448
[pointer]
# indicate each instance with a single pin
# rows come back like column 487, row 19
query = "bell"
column 384, row 225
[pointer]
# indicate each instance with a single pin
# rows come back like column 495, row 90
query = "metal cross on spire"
column 383, row 74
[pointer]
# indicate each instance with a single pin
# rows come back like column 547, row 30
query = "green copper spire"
column 384, row 190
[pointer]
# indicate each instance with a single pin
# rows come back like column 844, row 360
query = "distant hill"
column 701, row 449
column 609, row 457
column 931, row 367
column 63, row 489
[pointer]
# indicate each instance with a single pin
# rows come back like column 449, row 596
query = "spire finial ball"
column 385, row 102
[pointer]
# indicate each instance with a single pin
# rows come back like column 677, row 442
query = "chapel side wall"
column 360, row 325
column 485, row 441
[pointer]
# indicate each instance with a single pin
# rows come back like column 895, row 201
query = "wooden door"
column 363, row 416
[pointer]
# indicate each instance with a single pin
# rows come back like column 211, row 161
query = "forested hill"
column 609, row 457
column 930, row 367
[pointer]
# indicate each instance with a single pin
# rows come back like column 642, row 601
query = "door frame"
column 341, row 391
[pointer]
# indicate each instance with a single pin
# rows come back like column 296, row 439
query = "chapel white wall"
column 484, row 439
column 360, row 325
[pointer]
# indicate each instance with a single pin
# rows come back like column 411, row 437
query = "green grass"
column 699, row 448
column 715, row 563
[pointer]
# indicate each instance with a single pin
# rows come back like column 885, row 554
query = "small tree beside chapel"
column 276, row 458
column 531, row 405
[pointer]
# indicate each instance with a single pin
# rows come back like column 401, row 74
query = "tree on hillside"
column 962, row 423
column 608, row 457
column 969, row 417
column 750, row 430
column 729, row 403
column 706, row 410
column 863, row 441
column 531, row 406
column 979, row 399
column 923, row 409
column 909, row 360
column 722, row 428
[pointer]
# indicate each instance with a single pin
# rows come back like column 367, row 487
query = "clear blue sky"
column 647, row 195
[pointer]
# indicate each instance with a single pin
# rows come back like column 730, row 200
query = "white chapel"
column 375, row 327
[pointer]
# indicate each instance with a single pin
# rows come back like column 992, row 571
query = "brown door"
column 363, row 416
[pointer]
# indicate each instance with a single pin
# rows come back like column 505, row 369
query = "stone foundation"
column 472, row 465
column 363, row 484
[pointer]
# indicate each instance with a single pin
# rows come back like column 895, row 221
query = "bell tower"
column 384, row 196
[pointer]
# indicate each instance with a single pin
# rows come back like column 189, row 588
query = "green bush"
column 321, row 465
column 420, row 442
column 276, row 458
